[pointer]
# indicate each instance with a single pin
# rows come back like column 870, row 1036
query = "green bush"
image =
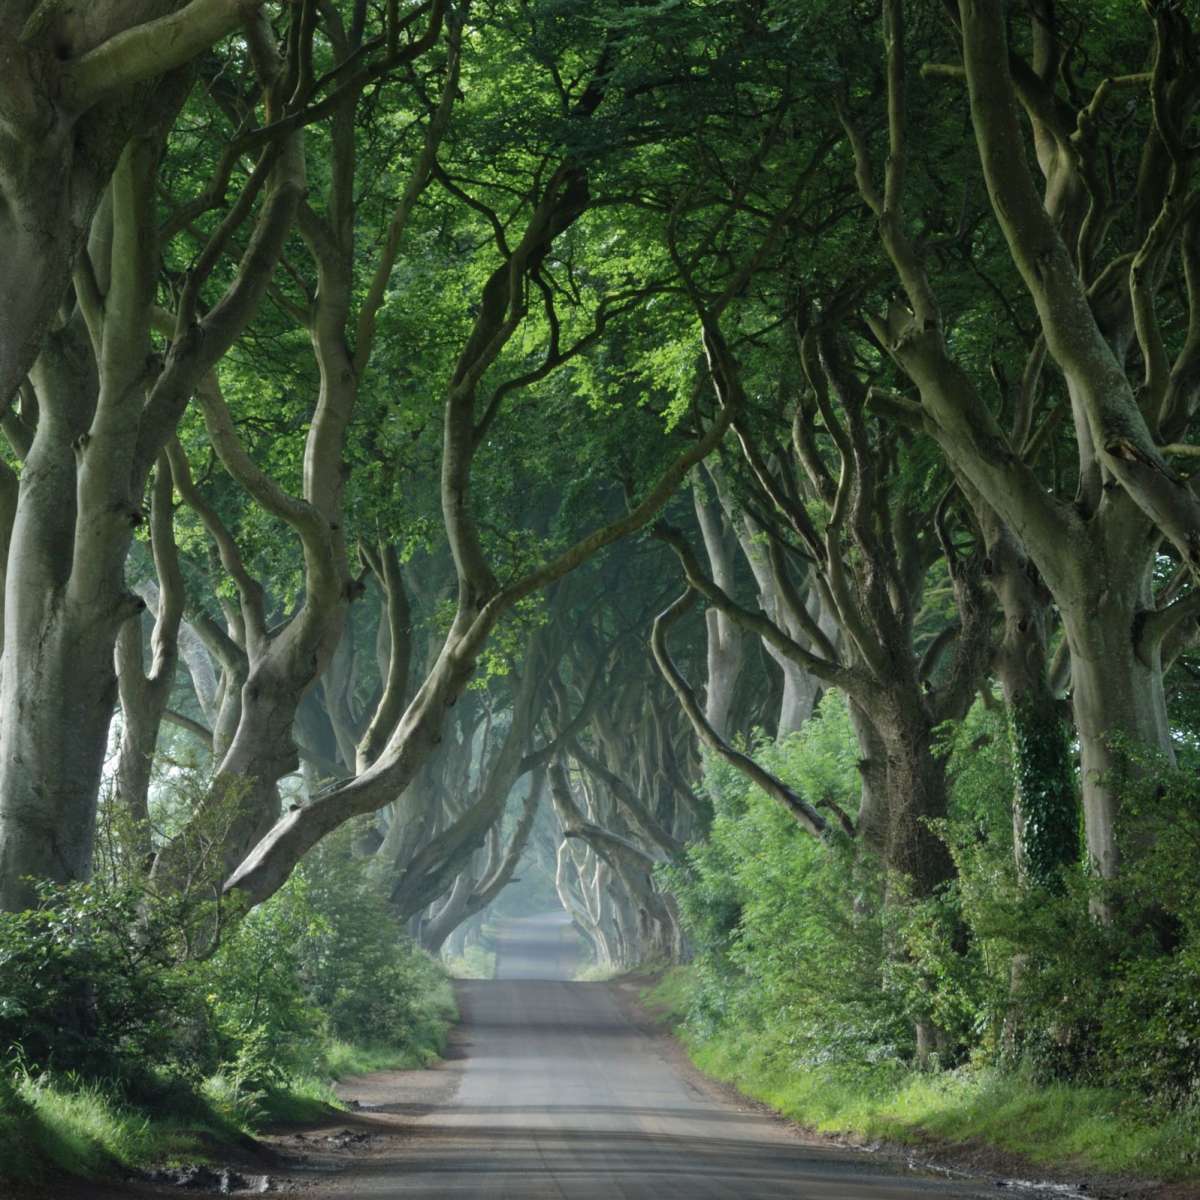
column 808, row 958
column 268, row 1027
column 790, row 935
column 105, row 1015
column 89, row 984
column 375, row 986
column 1111, row 1002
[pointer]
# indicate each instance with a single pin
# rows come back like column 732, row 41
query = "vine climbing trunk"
column 1045, row 804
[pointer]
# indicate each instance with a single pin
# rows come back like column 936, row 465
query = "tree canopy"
column 390, row 388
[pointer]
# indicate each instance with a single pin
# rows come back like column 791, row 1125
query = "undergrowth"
column 1055, row 1125
column 88, row 1129
column 475, row 962
column 126, row 1051
column 1067, row 1036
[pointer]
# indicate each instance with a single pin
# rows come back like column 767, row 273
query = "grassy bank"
column 178, row 1058
column 475, row 962
column 83, row 1129
column 1056, row 1126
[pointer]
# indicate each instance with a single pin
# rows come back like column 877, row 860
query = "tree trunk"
column 1117, row 697
column 58, row 685
column 917, row 795
column 872, row 773
column 1045, row 808
column 725, row 654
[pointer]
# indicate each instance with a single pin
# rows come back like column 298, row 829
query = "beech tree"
column 1096, row 263
column 559, row 199
column 95, row 413
column 266, row 672
column 77, row 86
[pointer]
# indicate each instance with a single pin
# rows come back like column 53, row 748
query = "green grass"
column 1052, row 1125
column 83, row 1130
column 595, row 973
column 670, row 997
column 474, row 963
column 342, row 1059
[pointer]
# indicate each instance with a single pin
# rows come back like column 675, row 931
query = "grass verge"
column 474, row 963
column 84, row 1130
column 1056, row 1126
column 595, row 973
column 51, row 1125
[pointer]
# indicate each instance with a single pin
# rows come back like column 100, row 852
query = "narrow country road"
column 561, row 1095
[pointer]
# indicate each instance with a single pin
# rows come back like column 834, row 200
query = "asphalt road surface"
column 560, row 1094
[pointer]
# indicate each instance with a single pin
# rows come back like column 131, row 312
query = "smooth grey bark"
column 872, row 823
column 869, row 561
column 57, row 689
column 1095, row 554
column 425, row 875
column 193, row 654
column 725, row 653
column 472, row 893
column 145, row 691
column 482, row 601
column 395, row 634
column 642, row 922
column 105, row 408
column 1116, row 693
column 801, row 688
column 76, row 83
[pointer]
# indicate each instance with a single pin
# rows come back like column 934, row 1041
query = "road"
column 560, row 1094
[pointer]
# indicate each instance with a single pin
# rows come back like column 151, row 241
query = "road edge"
column 988, row 1167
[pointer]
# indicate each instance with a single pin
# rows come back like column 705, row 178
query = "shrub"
column 373, row 983
column 790, row 934
column 89, row 984
column 801, row 963
column 96, row 985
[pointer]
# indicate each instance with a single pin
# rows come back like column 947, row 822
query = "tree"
column 1097, row 323
column 95, row 414
column 77, row 87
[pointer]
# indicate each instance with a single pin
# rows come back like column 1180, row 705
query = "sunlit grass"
column 474, row 963
column 1052, row 1125
column 343, row 1059
column 595, row 973
column 669, row 998
column 83, row 1130
column 1055, row 1125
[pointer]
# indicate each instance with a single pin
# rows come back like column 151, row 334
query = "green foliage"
column 107, row 1018
column 1045, row 780
column 1056, row 1125
column 790, row 933
column 270, row 1030
column 475, row 962
column 808, row 957
column 1083, row 1034
column 373, row 984
column 1090, row 981
column 16, row 1150
column 83, row 1128
column 89, row 984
